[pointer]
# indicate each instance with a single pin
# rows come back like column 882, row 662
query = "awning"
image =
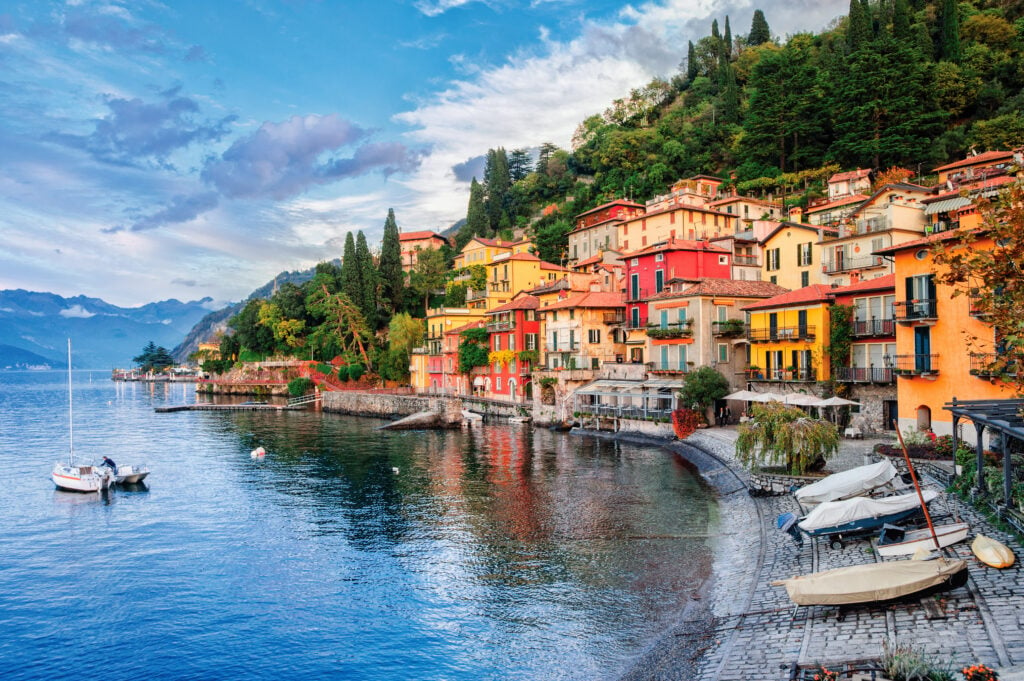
column 946, row 205
column 478, row 381
column 609, row 387
column 663, row 384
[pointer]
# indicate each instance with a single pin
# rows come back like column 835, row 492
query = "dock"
column 228, row 407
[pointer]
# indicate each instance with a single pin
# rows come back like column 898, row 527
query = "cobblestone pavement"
column 759, row 634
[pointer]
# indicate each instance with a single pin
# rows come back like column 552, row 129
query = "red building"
column 515, row 346
column 649, row 270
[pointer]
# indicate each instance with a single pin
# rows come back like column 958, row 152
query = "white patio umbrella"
column 742, row 395
column 804, row 400
column 767, row 397
column 837, row 402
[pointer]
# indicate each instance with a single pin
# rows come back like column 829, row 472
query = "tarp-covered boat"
column 874, row 582
column 853, row 517
column 852, row 483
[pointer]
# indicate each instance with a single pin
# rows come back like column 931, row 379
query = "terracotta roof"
column 710, row 286
column 503, row 244
column 548, row 287
column 589, row 261
column 553, row 267
column 676, row 245
column 842, row 201
column 850, row 175
column 516, row 256
column 887, row 281
column 590, row 299
column 471, row 325
column 618, row 202
column 984, row 157
column 798, row 225
column 416, row 236
column 523, row 302
column 975, row 186
column 815, row 293
column 926, row 241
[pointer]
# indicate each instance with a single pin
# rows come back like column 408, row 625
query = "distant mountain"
column 207, row 328
column 103, row 335
column 17, row 358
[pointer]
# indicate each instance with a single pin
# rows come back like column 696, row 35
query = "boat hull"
column 81, row 478
column 914, row 539
column 129, row 475
column 875, row 582
column 991, row 552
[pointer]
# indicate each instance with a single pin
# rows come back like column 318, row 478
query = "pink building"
column 416, row 241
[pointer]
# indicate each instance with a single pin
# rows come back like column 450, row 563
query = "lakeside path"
column 752, row 630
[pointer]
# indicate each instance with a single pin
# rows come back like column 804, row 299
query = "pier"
column 294, row 404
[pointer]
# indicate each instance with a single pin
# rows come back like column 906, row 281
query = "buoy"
column 394, row 469
column 258, row 453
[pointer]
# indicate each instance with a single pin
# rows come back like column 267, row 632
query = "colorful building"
column 893, row 214
column 790, row 255
column 684, row 213
column 515, row 348
column 507, row 275
column 481, row 251
column 413, row 242
column 746, row 254
column 597, row 230
column 583, row 331
column 747, row 209
column 788, row 334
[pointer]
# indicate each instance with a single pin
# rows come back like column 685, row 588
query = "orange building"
column 411, row 242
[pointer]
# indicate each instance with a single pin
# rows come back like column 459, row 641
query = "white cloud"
column 77, row 312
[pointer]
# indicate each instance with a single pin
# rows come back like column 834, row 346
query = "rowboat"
column 991, row 552
column 896, row 541
column 853, row 517
column 875, row 582
column 855, row 482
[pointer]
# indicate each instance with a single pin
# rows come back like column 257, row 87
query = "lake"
column 499, row 552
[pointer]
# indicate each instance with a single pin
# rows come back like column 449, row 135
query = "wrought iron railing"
column 914, row 365
column 864, row 374
column 781, row 334
column 916, row 310
column 873, row 327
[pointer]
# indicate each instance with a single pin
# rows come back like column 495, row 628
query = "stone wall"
column 495, row 407
column 388, row 406
column 772, row 484
column 871, row 398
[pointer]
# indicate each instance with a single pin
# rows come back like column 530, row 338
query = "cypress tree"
column 728, row 38
column 691, row 62
column 950, row 31
column 858, row 26
column 901, row 21
column 391, row 275
column 476, row 217
column 351, row 275
column 368, row 280
column 519, row 164
column 759, row 31
column 497, row 184
column 715, row 33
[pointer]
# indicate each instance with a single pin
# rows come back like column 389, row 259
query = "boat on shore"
column 896, row 541
column 875, row 582
column 859, row 481
column 69, row 475
column 991, row 552
column 856, row 517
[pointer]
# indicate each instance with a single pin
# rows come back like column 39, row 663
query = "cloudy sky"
column 180, row 149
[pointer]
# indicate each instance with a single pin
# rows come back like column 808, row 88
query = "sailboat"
column 74, row 477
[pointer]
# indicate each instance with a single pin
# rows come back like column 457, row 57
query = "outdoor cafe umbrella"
column 804, row 400
column 741, row 395
column 837, row 402
column 767, row 397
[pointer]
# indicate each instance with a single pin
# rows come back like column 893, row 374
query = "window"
column 594, row 335
column 772, row 259
column 659, row 280
column 659, row 257
column 497, row 369
column 681, row 315
column 634, row 262
column 554, row 316
column 595, row 363
column 511, row 342
column 803, row 254
column 531, row 341
column 634, row 287
column 805, row 278
column 664, row 319
column 723, row 260
column 682, row 356
column 572, row 313
column 721, row 313
column 773, row 279
column 497, row 343
column 531, row 315
column 634, row 318
column 723, row 353
column 512, row 366
column 554, row 341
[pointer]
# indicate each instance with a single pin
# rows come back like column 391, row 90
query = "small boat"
column 258, row 453
column 71, row 476
column 853, row 517
column 855, row 482
column 875, row 582
column 896, row 541
column 991, row 552
column 518, row 419
column 130, row 474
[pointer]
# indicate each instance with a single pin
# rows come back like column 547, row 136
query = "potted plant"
column 754, row 371
column 790, row 372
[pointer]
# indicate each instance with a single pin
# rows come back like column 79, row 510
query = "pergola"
column 1005, row 417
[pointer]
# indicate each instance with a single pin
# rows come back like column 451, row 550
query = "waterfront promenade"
column 750, row 629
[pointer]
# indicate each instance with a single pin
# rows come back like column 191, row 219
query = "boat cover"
column 870, row 583
column 835, row 513
column 851, row 483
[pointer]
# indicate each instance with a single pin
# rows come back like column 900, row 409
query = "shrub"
column 783, row 435
column 903, row 662
column 299, row 386
column 250, row 356
column 343, row 373
column 685, row 422
column 356, row 371
column 325, row 369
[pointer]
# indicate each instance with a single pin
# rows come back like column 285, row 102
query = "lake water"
column 495, row 553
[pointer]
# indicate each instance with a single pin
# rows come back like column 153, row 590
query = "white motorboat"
column 74, row 477
column 129, row 474
column 860, row 481
column 895, row 541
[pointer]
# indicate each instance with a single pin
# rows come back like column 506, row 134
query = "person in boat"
column 109, row 463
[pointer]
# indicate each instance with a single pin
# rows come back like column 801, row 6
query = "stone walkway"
column 758, row 633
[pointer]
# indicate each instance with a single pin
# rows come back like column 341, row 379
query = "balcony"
column 562, row 347
column 992, row 365
column 782, row 334
column 913, row 311
column 914, row 365
column 730, row 328
column 864, row 374
column 803, row 374
column 635, row 295
column 641, row 324
column 614, row 318
column 975, row 305
column 499, row 286
column 868, row 226
column 472, row 294
column 670, row 331
column 873, row 328
column 666, row 369
column 493, row 327
column 746, row 260
column 849, row 264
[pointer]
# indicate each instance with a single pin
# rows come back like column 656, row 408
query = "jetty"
column 294, row 404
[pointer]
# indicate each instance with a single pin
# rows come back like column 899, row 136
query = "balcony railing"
column 562, row 347
column 865, row 328
column 473, row 294
column 500, row 286
column 975, row 309
column 637, row 294
column 640, row 324
column 500, row 326
column 989, row 364
column 798, row 374
column 914, row 365
column 614, row 318
column 781, row 334
column 746, row 260
column 864, row 374
column 666, row 368
column 916, row 311
column 731, row 328
column 848, row 264
column 670, row 331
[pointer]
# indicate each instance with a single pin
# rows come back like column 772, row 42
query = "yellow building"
column 507, row 275
column 790, row 256
column 419, row 379
column 582, row 332
column 788, row 335
column 480, row 251
column 443, row 319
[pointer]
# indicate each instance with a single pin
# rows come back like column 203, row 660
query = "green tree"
column 782, row 435
column 252, row 335
column 519, row 164
column 476, row 217
column 759, row 31
column 691, row 62
column 351, row 273
column 390, row 269
column 950, row 41
column 369, row 282
column 154, row 358
column 428, row 275
column 858, row 25
column 552, row 240
column 701, row 388
column 473, row 349
column 342, row 325
column 727, row 39
column 496, row 183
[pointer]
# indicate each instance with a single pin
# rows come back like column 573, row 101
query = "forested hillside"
column 903, row 83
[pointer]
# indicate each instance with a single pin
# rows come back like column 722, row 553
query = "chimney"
column 796, row 214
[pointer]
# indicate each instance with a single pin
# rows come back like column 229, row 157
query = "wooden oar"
column 913, row 476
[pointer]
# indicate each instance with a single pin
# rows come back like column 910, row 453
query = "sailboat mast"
column 71, row 417
column 917, row 486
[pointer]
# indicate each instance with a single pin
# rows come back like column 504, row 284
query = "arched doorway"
column 512, row 389
column 924, row 418
column 528, row 390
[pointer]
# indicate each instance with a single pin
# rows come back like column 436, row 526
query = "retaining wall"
column 387, row 406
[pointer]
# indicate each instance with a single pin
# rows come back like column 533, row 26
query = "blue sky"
column 180, row 149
